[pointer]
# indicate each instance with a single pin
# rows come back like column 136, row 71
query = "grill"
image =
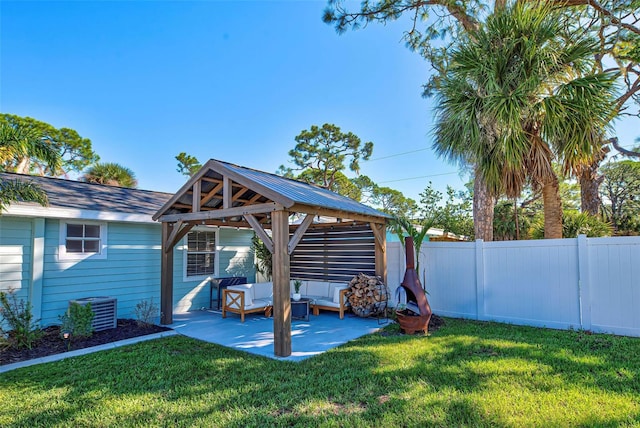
column 418, row 312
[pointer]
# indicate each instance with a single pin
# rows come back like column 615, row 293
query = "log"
column 367, row 295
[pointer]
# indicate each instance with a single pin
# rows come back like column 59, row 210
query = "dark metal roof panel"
column 98, row 197
column 304, row 193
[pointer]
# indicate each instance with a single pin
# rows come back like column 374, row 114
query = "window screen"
column 201, row 251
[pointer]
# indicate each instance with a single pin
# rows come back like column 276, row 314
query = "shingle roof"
column 98, row 197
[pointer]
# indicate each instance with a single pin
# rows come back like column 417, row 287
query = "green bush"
column 77, row 321
column 16, row 321
column 574, row 223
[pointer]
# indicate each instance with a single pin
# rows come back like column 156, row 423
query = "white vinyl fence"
column 582, row 283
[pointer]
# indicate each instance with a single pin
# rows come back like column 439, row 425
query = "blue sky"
column 235, row 81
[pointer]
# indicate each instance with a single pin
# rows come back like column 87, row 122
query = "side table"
column 300, row 309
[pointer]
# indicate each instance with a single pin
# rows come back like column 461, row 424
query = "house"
column 97, row 240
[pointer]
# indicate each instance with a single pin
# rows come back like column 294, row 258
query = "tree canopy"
column 187, row 164
column 321, row 154
column 435, row 26
column 620, row 192
column 17, row 143
column 111, row 174
column 75, row 151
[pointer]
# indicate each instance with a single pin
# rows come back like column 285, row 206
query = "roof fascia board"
column 74, row 213
column 247, row 182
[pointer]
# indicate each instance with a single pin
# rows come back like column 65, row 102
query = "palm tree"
column 111, row 174
column 511, row 103
column 16, row 145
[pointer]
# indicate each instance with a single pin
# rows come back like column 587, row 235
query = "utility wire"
column 416, row 178
column 399, row 154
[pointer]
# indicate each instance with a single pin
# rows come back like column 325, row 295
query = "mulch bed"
column 51, row 343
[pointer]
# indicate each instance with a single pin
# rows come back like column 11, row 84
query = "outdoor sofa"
column 258, row 297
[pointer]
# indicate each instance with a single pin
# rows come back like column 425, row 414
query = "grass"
column 465, row 374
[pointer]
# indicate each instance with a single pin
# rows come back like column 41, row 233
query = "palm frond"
column 20, row 191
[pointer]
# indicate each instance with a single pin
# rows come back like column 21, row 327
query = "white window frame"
column 62, row 243
column 216, row 267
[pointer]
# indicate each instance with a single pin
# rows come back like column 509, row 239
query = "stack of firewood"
column 368, row 295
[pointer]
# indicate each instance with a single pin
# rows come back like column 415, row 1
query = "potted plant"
column 296, row 287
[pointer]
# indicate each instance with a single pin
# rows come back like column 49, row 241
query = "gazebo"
column 350, row 239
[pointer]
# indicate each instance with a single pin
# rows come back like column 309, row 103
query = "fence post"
column 584, row 284
column 479, row 279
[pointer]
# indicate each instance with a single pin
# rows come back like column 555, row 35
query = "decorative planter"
column 296, row 296
column 410, row 323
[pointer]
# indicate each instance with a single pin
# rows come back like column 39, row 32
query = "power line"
column 416, row 178
column 399, row 154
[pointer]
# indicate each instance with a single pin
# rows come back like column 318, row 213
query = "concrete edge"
column 85, row 351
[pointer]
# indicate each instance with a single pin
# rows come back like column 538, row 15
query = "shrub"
column 23, row 330
column 77, row 321
column 574, row 223
column 146, row 312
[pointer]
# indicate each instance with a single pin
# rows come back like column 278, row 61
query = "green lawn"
column 466, row 373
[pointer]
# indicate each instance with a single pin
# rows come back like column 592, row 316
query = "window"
column 82, row 240
column 200, row 253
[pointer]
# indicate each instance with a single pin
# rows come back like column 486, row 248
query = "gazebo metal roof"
column 253, row 187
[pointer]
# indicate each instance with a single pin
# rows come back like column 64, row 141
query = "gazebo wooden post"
column 166, row 277
column 380, row 233
column 281, row 287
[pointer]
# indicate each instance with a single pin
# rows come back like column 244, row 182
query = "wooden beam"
column 329, row 212
column 281, row 287
column 255, row 198
column 166, row 278
column 181, row 234
column 239, row 178
column 227, row 192
column 197, row 194
column 380, row 232
column 231, row 212
column 211, row 194
column 255, row 225
column 239, row 193
column 174, row 228
column 299, row 233
column 211, row 180
column 227, row 223
column 181, row 192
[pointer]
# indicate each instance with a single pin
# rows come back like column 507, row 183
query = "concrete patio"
column 255, row 335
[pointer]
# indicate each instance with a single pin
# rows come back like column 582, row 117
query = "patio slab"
column 255, row 335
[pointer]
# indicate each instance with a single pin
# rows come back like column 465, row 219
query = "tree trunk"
column 483, row 205
column 590, row 181
column 552, row 208
column 589, row 184
column 23, row 166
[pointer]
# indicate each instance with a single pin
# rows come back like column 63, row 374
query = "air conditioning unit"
column 105, row 310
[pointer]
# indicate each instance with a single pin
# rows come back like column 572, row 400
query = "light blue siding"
column 130, row 272
column 235, row 258
column 16, row 251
